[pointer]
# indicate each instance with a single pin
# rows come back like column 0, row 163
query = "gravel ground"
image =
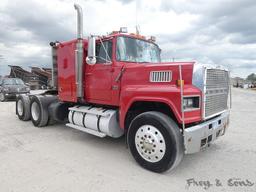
column 57, row 158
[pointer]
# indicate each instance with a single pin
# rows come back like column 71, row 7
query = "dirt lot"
column 57, row 158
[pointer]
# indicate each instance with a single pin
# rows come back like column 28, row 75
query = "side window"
column 101, row 55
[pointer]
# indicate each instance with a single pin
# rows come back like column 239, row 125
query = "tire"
column 39, row 115
column 39, row 109
column 2, row 97
column 155, row 141
column 23, row 107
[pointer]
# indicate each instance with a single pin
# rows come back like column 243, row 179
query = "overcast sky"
column 208, row 31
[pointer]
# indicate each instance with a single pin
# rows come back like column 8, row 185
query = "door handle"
column 88, row 74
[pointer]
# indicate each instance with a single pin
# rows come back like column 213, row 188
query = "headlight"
column 27, row 89
column 191, row 103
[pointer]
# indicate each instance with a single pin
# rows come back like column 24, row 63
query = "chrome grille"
column 216, row 91
column 160, row 76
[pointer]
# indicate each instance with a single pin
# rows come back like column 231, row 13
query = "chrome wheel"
column 35, row 111
column 20, row 107
column 150, row 143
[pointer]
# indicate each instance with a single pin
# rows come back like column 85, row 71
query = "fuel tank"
column 101, row 120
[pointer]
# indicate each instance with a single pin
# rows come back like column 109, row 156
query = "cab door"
column 98, row 77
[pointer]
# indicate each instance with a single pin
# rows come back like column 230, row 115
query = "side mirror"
column 91, row 56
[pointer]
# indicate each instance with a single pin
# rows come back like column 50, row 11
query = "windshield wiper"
column 143, row 61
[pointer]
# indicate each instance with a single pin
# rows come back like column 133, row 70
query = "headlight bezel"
column 191, row 103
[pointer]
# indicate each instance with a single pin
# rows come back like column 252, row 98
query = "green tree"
column 251, row 77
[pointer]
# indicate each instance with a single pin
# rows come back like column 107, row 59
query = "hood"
column 141, row 71
column 15, row 88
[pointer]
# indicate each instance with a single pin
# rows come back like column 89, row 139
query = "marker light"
column 180, row 82
column 123, row 30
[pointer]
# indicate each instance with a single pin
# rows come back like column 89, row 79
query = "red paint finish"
column 136, row 87
column 66, row 71
column 101, row 85
column 98, row 79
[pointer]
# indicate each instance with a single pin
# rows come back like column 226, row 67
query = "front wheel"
column 2, row 97
column 155, row 141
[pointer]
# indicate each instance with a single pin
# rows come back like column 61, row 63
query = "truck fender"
column 125, row 107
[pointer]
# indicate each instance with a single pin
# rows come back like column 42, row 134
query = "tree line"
column 251, row 77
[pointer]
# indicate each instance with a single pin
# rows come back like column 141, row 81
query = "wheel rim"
column 20, row 107
column 1, row 96
column 35, row 111
column 150, row 143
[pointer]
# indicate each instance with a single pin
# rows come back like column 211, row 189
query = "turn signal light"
column 180, row 82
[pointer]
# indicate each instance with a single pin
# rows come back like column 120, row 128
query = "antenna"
column 136, row 15
column 137, row 29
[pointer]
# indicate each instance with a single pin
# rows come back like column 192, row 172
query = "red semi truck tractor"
column 116, row 85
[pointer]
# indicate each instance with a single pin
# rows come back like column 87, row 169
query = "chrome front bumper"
column 198, row 137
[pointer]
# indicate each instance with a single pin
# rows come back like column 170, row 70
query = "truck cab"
column 117, row 85
column 112, row 54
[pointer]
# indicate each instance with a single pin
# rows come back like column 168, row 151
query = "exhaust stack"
column 79, row 53
column 79, row 21
column 54, row 66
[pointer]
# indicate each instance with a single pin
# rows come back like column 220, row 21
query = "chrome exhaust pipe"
column 79, row 53
column 79, row 21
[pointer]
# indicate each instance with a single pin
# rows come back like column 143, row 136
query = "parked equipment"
column 11, row 87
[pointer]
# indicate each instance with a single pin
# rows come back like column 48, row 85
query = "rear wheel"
column 22, row 107
column 155, row 141
column 39, row 115
column 39, row 109
column 2, row 97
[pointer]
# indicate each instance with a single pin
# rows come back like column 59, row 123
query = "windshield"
column 18, row 82
column 136, row 50
column 13, row 82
